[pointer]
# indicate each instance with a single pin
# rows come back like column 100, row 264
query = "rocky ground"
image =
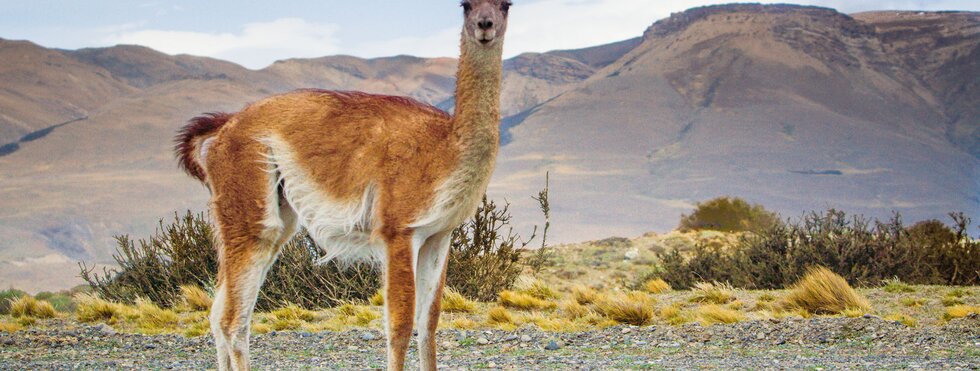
column 839, row 343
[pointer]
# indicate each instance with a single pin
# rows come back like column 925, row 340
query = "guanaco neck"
column 476, row 123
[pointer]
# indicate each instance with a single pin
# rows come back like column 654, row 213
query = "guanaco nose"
column 485, row 24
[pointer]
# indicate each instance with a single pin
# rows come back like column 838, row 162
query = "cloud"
column 444, row 43
column 256, row 46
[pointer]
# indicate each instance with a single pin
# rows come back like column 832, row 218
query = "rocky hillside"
column 793, row 107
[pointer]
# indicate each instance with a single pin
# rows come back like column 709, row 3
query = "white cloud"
column 444, row 43
column 256, row 46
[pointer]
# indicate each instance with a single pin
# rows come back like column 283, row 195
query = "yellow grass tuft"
column 198, row 328
column 261, row 328
column 903, row 319
column 538, row 289
column 195, row 298
column 673, row 315
column 454, row 302
column 958, row 292
column 766, row 298
column 657, row 286
column 91, row 308
column 736, row 305
column 950, row 301
column 499, row 315
column 520, row 300
column 359, row 315
column 154, row 319
column 896, row 286
column 634, row 308
column 960, row 311
column 585, row 295
column 463, row 323
column 571, row 309
column 27, row 306
column 713, row 293
column 378, row 299
column 712, row 313
column 913, row 302
column 854, row 312
column 824, row 292
column 10, row 327
column 26, row 321
column 293, row 311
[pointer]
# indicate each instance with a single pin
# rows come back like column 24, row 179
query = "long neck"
column 477, row 115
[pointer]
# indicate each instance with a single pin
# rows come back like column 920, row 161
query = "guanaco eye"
column 505, row 6
column 466, row 6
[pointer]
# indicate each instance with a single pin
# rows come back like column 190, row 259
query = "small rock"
column 482, row 341
column 491, row 365
column 368, row 336
column 525, row 338
column 760, row 336
column 552, row 345
column 632, row 254
column 150, row 346
column 626, row 330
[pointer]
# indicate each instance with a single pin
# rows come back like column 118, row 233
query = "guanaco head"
column 485, row 21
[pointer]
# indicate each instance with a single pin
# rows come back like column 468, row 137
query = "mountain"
column 797, row 108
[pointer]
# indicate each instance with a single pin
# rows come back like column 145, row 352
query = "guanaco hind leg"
column 430, row 277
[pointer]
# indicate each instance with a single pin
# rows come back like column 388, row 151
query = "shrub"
column 824, row 292
column 713, row 293
column 27, row 306
column 454, row 302
column 865, row 252
column 657, row 286
column 711, row 314
column 728, row 214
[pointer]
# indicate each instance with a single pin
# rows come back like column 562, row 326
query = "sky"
column 257, row 33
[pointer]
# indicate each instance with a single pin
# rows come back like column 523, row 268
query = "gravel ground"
column 821, row 343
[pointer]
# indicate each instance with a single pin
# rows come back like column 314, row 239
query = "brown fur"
column 420, row 163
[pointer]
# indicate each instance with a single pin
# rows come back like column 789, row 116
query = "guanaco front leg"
column 399, row 298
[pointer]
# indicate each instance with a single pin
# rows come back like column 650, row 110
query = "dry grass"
column 951, row 301
column 960, row 311
column 766, row 298
column 454, row 302
column 571, row 309
column 713, row 293
column 634, row 308
column 91, row 308
column 585, row 295
column 537, row 289
column 903, row 319
column 711, row 314
column 499, row 315
column 896, row 286
column 195, row 299
column 27, row 306
column 378, row 299
column 821, row 291
column 10, row 327
column 463, row 323
column 913, row 302
column 520, row 300
column 674, row 315
column 154, row 319
column 657, row 286
column 353, row 314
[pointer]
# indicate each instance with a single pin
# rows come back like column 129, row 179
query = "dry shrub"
column 585, row 295
column 91, row 308
column 960, row 311
column 728, row 214
column 454, row 302
column 195, row 298
column 10, row 327
column 633, row 308
column 903, row 319
column 824, row 292
column 711, row 314
column 27, row 306
column 520, row 300
column 866, row 251
column 500, row 315
column 712, row 293
column 657, row 286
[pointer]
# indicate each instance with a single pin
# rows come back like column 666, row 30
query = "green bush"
column 728, row 214
column 863, row 251
column 182, row 253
